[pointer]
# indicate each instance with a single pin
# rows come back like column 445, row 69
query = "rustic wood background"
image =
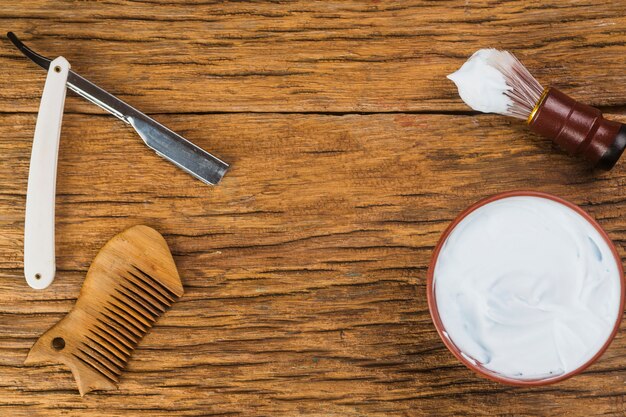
column 305, row 269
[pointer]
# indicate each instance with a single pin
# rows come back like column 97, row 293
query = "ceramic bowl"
column 432, row 302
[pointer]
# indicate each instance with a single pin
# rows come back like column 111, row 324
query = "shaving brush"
column 494, row 81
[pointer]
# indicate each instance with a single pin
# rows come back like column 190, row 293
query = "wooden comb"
column 132, row 281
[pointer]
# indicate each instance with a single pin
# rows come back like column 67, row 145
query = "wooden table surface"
column 305, row 268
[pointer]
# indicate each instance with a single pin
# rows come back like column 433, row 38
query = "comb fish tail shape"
column 132, row 281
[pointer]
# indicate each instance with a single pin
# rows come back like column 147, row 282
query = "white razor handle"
column 39, row 257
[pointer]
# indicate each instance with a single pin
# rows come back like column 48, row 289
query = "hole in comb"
column 37, row 275
column 58, row 343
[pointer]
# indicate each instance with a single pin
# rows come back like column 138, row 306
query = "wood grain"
column 330, row 56
column 304, row 270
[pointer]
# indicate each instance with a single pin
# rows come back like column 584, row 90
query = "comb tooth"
column 120, row 333
column 150, row 293
column 148, row 280
column 113, row 353
column 123, row 342
column 111, row 341
column 121, row 326
column 93, row 365
column 102, row 358
column 123, row 320
column 99, row 363
column 140, row 313
column 159, row 284
column 129, row 318
column 139, row 300
column 135, row 310
column 146, row 296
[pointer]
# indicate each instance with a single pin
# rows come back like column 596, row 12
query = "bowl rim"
column 432, row 303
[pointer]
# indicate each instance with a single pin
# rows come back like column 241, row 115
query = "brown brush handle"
column 579, row 129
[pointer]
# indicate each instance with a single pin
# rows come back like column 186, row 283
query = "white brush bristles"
column 525, row 90
column 493, row 81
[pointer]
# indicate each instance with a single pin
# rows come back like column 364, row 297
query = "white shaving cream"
column 527, row 287
column 481, row 86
